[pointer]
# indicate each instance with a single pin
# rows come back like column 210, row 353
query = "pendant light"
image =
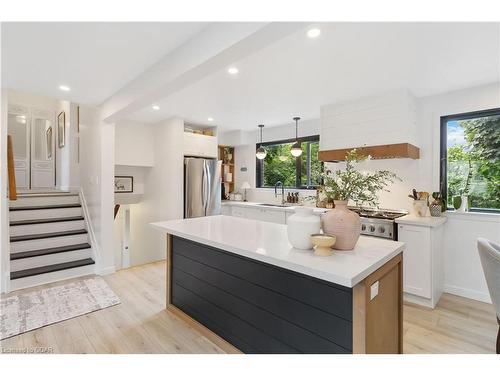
column 296, row 149
column 261, row 151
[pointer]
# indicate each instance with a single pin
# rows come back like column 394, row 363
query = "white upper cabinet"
column 200, row 145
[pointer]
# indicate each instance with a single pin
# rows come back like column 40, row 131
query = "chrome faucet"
column 279, row 183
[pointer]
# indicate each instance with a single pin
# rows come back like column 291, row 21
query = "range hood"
column 390, row 151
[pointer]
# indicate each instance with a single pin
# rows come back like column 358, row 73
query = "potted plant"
column 356, row 186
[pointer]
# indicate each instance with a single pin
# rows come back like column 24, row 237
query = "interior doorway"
column 33, row 140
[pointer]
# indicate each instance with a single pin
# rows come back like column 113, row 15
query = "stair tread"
column 49, row 220
column 45, row 207
column 38, row 236
column 52, row 268
column 48, row 251
column 38, row 195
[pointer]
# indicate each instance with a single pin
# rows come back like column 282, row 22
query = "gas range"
column 379, row 222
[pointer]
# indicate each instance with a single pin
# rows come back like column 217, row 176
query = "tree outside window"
column 470, row 151
column 279, row 164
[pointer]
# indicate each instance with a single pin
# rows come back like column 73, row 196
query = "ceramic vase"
column 344, row 224
column 301, row 225
column 435, row 209
column 420, row 208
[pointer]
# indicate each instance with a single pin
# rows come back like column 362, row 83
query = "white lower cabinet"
column 422, row 263
column 256, row 213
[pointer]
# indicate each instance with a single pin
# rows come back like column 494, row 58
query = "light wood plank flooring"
column 141, row 325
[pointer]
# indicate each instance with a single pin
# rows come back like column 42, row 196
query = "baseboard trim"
column 467, row 293
column 105, row 271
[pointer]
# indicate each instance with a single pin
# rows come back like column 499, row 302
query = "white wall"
column 463, row 272
column 163, row 192
column 67, row 165
column 133, row 144
column 4, row 203
column 97, row 183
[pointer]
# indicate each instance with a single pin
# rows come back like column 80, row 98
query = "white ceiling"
column 296, row 75
column 293, row 76
column 93, row 59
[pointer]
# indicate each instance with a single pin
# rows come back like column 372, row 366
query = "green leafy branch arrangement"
column 351, row 184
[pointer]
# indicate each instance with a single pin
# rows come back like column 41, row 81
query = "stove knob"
column 372, row 228
column 363, row 227
column 381, row 229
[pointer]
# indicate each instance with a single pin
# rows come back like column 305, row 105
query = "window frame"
column 443, row 152
column 298, row 167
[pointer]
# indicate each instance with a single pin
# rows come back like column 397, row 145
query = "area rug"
column 27, row 311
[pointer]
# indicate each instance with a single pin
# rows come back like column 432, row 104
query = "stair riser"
column 44, row 201
column 47, row 260
column 45, row 214
column 44, row 243
column 51, row 277
column 20, row 230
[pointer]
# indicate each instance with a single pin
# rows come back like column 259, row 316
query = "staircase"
column 48, row 239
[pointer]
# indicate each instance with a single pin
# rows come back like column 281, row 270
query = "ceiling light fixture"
column 261, row 151
column 156, row 107
column 210, row 119
column 296, row 148
column 313, row 33
column 64, row 88
column 232, row 70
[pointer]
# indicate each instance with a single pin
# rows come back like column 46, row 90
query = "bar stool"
column 489, row 253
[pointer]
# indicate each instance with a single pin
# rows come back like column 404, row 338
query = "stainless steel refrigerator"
column 202, row 187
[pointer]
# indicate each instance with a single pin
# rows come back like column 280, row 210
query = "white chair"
column 490, row 260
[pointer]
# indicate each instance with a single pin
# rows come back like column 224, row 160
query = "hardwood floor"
column 140, row 324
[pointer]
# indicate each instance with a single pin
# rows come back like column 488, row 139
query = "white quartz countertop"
column 426, row 221
column 271, row 207
column 268, row 243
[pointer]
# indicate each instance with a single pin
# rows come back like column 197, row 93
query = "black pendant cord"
column 296, row 128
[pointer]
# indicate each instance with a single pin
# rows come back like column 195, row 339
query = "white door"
column 417, row 266
column 42, row 149
column 19, row 128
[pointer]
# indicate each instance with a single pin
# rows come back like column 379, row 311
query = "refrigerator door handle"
column 205, row 188
column 208, row 173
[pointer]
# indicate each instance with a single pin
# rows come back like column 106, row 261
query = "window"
column 470, row 159
column 279, row 165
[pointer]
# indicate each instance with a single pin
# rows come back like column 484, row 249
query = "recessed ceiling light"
column 313, row 33
column 156, row 107
column 232, row 70
column 64, row 88
column 210, row 119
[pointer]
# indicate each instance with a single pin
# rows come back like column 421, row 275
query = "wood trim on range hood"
column 392, row 151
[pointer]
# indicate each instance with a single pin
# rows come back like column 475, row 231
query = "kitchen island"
column 241, row 283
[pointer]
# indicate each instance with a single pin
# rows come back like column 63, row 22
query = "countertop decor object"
column 323, row 244
column 301, row 225
column 420, row 202
column 344, row 224
column 281, row 299
column 351, row 184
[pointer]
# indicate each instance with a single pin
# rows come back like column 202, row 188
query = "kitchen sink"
column 276, row 205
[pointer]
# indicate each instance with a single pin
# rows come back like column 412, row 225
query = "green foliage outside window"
column 280, row 165
column 473, row 162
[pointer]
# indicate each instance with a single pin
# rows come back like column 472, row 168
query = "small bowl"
column 323, row 244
